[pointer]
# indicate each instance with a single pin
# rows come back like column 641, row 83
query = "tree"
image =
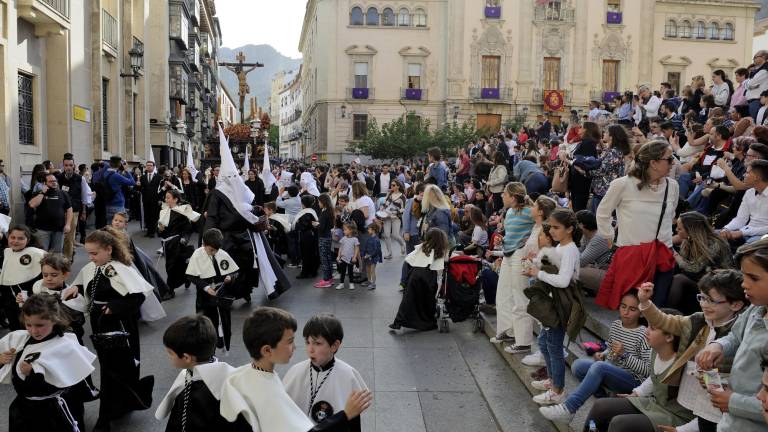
column 452, row 136
column 402, row 138
column 274, row 137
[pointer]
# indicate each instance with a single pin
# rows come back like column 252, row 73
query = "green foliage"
column 409, row 136
column 274, row 136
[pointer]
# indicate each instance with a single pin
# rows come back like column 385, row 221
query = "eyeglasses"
column 706, row 299
column 670, row 159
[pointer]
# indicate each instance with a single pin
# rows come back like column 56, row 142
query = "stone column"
column 455, row 49
column 645, row 66
column 579, row 80
column 524, row 74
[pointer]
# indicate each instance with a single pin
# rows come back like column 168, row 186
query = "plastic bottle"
column 592, row 426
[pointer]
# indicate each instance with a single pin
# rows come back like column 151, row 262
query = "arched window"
column 714, row 31
column 670, row 29
column 684, row 30
column 420, row 18
column 372, row 17
column 388, row 17
column 356, row 16
column 726, row 33
column 699, row 31
column 404, row 18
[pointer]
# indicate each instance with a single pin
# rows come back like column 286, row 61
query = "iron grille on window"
column 104, row 116
column 26, row 110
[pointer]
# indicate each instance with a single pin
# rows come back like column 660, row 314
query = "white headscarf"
column 307, row 181
column 231, row 184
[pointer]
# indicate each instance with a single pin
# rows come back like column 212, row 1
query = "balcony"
column 491, row 95
column 50, row 17
column 360, row 93
column 493, row 12
column 613, row 18
column 413, row 94
column 110, row 33
column 554, row 13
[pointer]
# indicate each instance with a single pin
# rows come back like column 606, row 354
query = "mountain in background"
column 763, row 12
column 260, row 79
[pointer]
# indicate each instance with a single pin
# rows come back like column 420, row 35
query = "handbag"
column 560, row 179
column 110, row 341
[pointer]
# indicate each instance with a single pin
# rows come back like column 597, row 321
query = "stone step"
column 523, row 372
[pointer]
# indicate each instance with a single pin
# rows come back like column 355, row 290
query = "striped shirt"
column 637, row 355
column 517, row 227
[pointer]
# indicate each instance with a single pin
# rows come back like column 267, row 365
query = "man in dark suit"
column 150, row 183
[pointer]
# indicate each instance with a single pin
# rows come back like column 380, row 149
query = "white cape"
column 282, row 219
column 63, row 361
column 343, row 379
column 417, row 258
column 212, row 374
column 261, row 398
column 302, row 213
column 184, row 209
column 76, row 303
column 125, row 280
column 200, row 264
column 21, row 266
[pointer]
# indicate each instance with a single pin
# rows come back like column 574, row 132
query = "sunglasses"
column 670, row 159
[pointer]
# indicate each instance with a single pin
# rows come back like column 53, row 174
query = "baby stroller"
column 458, row 297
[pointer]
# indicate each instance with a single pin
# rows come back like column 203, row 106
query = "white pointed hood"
column 191, row 162
column 231, row 184
column 308, row 182
column 246, row 164
column 266, row 171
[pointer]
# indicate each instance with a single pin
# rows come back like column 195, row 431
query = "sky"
column 273, row 22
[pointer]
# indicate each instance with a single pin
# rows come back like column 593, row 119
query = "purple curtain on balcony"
column 489, row 93
column 614, row 18
column 413, row 94
column 493, row 12
column 360, row 93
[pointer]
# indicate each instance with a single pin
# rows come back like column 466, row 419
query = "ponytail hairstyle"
column 567, row 218
column 47, row 307
column 649, row 152
column 476, row 217
column 518, row 192
column 110, row 237
column 547, row 205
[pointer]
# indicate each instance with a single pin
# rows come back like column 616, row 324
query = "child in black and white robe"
column 21, row 269
column 192, row 403
column 214, row 274
column 322, row 384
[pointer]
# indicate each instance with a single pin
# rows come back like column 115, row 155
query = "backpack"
column 103, row 189
column 370, row 183
column 358, row 218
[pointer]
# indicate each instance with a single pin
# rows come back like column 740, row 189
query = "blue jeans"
column 754, row 107
column 594, row 374
column 551, row 347
column 694, row 199
column 51, row 241
column 595, row 203
column 684, row 181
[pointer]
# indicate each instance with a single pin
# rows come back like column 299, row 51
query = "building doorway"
column 489, row 123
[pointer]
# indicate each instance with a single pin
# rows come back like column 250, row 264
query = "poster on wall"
column 554, row 100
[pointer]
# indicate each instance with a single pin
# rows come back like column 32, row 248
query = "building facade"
column 227, row 109
column 492, row 61
column 184, row 73
column 291, row 135
column 72, row 81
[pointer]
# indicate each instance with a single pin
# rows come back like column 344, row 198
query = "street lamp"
column 343, row 111
column 137, row 62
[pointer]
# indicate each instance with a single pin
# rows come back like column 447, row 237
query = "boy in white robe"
column 321, row 384
column 192, row 403
column 256, row 392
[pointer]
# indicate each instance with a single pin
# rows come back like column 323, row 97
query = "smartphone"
column 30, row 358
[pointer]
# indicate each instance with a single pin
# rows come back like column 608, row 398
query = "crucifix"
column 241, row 69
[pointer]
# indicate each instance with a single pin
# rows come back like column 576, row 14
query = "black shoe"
column 247, row 299
column 395, row 326
column 187, row 283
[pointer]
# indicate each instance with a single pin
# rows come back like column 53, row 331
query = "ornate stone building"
column 494, row 61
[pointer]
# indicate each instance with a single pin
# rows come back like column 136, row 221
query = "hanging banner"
column 554, row 100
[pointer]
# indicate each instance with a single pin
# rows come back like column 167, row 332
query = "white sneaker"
column 557, row 413
column 351, row 286
column 544, row 384
column 501, row 338
column 549, row 397
column 340, row 286
column 534, row 359
column 517, row 349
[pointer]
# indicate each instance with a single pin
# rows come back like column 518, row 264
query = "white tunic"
column 21, row 266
